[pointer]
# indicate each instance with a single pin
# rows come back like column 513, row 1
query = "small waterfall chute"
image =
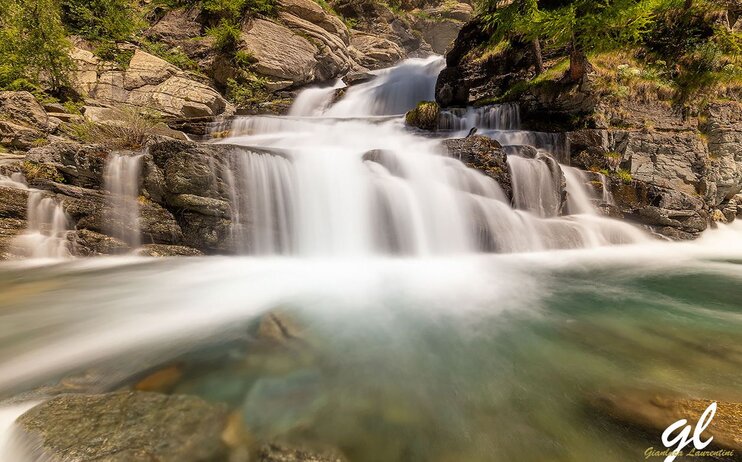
column 121, row 179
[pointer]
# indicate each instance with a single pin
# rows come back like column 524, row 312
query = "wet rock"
column 162, row 250
column 90, row 243
column 672, row 213
column 424, row 116
column 483, row 154
column 280, row 453
column 161, row 381
column 124, row 427
column 278, row 328
column 654, row 412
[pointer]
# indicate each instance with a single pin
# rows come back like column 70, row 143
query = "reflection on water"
column 487, row 358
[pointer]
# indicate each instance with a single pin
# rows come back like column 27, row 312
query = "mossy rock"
column 424, row 116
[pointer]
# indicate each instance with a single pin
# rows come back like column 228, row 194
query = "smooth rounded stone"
column 655, row 411
column 124, row 427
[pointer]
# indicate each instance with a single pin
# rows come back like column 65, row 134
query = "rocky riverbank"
column 676, row 168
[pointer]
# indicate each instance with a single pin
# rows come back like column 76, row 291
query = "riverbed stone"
column 655, row 411
column 126, row 426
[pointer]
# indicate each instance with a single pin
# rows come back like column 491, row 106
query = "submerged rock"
column 279, row 453
column 654, row 412
column 124, row 427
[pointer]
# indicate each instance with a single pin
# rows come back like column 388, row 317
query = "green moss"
column 424, row 116
column 624, row 175
column 38, row 171
column 174, row 56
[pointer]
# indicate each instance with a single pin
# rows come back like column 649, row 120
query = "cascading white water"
column 47, row 229
column 393, row 92
column 536, row 184
column 495, row 117
column 314, row 101
column 365, row 186
column 46, row 234
column 502, row 123
column 121, row 179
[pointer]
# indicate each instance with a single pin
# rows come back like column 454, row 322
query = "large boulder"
column 376, row 52
column 77, row 164
column 21, row 108
column 149, row 83
column 124, row 427
column 280, row 53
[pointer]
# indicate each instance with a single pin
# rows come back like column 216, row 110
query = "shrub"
column 226, row 36
column 111, row 20
column 132, row 129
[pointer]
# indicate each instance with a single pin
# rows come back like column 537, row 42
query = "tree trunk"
column 537, row 56
column 579, row 66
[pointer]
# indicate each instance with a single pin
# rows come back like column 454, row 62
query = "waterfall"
column 47, row 231
column 537, row 184
column 495, row 117
column 350, row 180
column 581, row 198
column 393, row 92
column 121, row 179
column 314, row 101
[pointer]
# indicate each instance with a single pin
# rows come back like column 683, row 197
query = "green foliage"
column 235, row 9
column 624, row 175
column 33, row 46
column 108, row 20
column 226, row 36
column 109, row 51
column 174, row 56
column 246, row 91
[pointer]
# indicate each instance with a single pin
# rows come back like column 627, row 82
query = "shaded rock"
column 672, row 213
column 202, row 205
column 13, row 202
column 654, row 412
column 78, row 164
column 724, row 132
column 162, row 250
column 90, row 243
column 483, row 154
column 21, row 107
column 124, row 427
column 19, row 136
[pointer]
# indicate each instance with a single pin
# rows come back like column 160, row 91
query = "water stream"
column 439, row 321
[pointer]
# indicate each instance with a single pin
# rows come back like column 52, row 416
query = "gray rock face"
column 725, row 152
column 79, row 165
column 127, row 426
